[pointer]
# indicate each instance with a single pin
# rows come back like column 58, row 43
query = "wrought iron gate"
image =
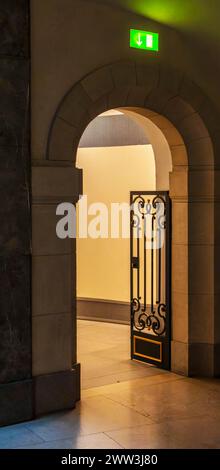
column 150, row 277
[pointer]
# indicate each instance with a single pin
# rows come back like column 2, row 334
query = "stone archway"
column 190, row 124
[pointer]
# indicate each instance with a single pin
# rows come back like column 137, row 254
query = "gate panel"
column 150, row 277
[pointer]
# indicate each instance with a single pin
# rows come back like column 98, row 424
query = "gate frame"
column 167, row 338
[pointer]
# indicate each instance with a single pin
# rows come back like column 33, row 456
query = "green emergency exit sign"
column 144, row 40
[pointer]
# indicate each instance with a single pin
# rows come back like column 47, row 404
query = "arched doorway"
column 188, row 122
column 116, row 158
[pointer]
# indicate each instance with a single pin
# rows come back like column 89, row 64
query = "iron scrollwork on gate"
column 150, row 277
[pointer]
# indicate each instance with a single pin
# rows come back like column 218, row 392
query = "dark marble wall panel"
column 14, row 100
column 15, row 343
column 14, row 27
column 14, row 205
column 15, row 231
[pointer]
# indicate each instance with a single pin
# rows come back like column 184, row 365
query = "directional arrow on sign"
column 139, row 42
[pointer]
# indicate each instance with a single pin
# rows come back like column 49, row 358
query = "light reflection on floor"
column 125, row 405
column 104, row 354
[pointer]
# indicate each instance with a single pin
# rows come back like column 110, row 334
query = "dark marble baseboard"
column 16, row 402
column 103, row 310
column 23, row 401
column 56, row 392
column 77, row 367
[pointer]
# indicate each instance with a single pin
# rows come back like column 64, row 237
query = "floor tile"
column 14, row 436
column 193, row 433
column 93, row 415
column 143, row 437
column 125, row 403
column 135, row 384
column 94, row 441
column 104, row 354
column 115, row 378
column 167, row 400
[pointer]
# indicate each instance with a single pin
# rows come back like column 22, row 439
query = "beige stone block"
column 177, row 109
column 171, row 133
column 216, row 269
column 191, row 93
column 201, row 359
column 136, row 97
column 179, row 155
column 201, row 183
column 96, row 108
column 179, row 357
column 147, row 75
column 52, row 284
column 217, row 360
column 180, row 311
column 179, row 222
column 74, row 108
column 148, row 113
column 210, row 115
column 173, row 136
column 201, row 223
column 56, row 182
column 200, row 152
column 124, row 74
column 158, row 99
column 52, row 343
column 98, row 84
column 61, row 141
column 193, row 128
column 201, row 270
column 201, row 318
column 216, row 145
column 216, row 177
column 180, row 268
column 216, row 300
column 118, row 97
column 44, row 238
column 161, row 121
column 179, row 184
column 170, row 78
column 217, row 222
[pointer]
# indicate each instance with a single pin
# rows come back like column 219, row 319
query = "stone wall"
column 67, row 45
column 86, row 35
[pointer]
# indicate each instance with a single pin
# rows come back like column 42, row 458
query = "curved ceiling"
column 200, row 17
column 113, row 130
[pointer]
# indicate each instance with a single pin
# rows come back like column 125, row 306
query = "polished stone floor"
column 125, row 405
column 104, row 354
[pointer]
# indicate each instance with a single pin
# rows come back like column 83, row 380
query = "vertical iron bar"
column 168, row 272
column 138, row 256
column 152, row 265
column 159, row 274
column 131, row 276
column 145, row 267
